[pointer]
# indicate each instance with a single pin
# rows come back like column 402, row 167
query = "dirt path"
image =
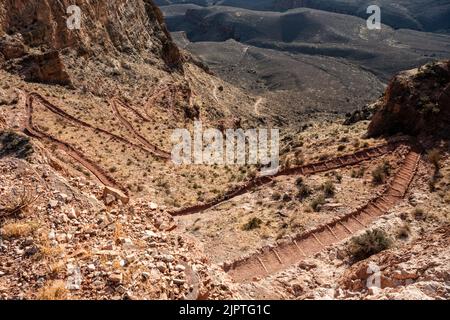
column 154, row 149
column 58, row 111
column 101, row 174
column 308, row 169
column 270, row 260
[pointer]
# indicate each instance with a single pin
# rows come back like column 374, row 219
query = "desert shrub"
column 358, row 173
column 328, row 189
column 303, row 192
column 276, row 196
column 113, row 169
column 317, row 203
column 419, row 214
column 404, row 231
column 14, row 144
column 299, row 182
column 378, row 175
column 368, row 244
column 287, row 197
column 434, row 156
column 341, row 147
column 253, row 223
column 387, row 168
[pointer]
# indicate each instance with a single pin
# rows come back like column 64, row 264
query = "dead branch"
column 24, row 200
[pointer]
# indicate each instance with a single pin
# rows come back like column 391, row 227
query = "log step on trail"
column 308, row 169
column 270, row 260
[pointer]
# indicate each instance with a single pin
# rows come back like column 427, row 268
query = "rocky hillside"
column 416, row 102
column 85, row 119
column 92, row 208
column 34, row 35
column 106, row 28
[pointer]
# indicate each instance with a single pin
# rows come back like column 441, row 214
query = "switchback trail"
column 154, row 149
column 58, row 111
column 71, row 151
column 308, row 169
column 270, row 260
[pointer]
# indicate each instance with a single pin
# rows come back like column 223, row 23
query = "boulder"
column 416, row 102
column 110, row 192
column 44, row 68
column 11, row 47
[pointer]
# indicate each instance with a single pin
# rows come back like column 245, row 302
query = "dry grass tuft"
column 18, row 229
column 55, row 290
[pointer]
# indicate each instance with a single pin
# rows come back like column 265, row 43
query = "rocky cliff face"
column 416, row 102
column 34, row 35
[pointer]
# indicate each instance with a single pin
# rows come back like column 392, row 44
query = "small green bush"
column 317, row 203
column 252, row 224
column 328, row 189
column 378, row 175
column 14, row 144
column 299, row 182
column 404, row 231
column 276, row 196
column 434, row 156
column 303, row 192
column 419, row 214
column 369, row 243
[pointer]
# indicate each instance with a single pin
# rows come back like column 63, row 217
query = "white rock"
column 152, row 206
column 53, row 203
column 91, row 267
column 52, row 235
column 151, row 234
column 179, row 281
column 127, row 243
column 72, row 214
column 180, row 267
column 161, row 266
column 63, row 197
column 168, row 258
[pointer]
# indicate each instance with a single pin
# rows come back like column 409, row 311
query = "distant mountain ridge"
column 421, row 15
column 312, row 32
